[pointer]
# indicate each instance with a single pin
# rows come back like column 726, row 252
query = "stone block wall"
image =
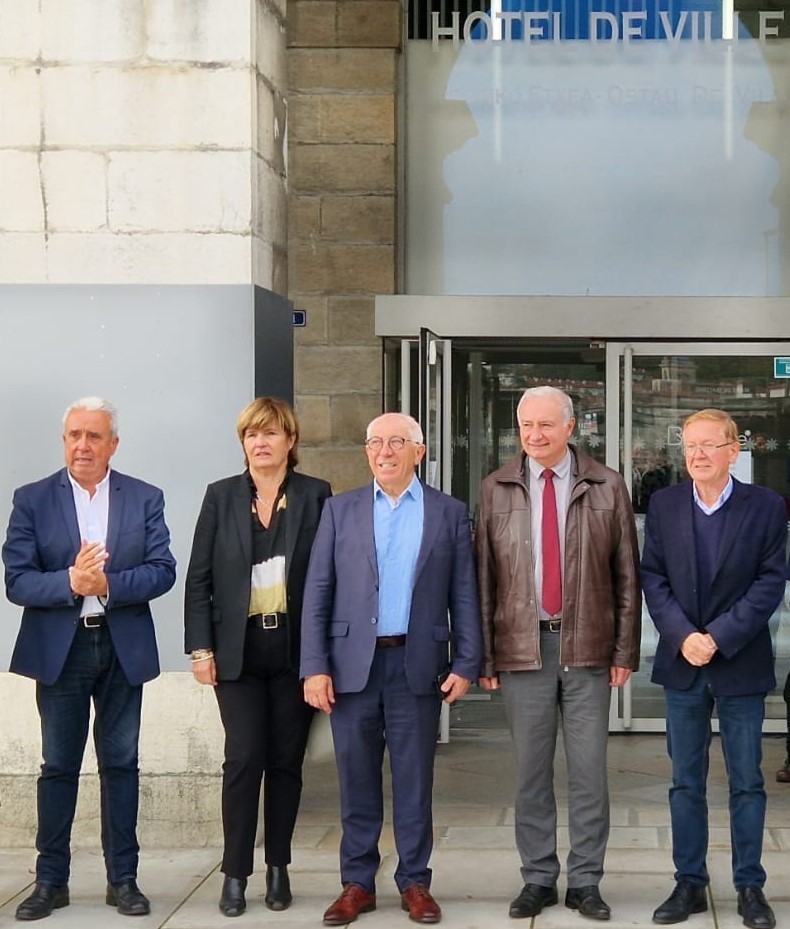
column 342, row 245
column 142, row 141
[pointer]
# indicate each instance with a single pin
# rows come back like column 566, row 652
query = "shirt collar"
column 723, row 497
column 561, row 469
column 102, row 483
column 414, row 490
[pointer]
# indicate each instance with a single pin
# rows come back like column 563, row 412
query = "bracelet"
column 201, row 654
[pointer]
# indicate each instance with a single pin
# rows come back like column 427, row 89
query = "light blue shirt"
column 724, row 496
column 397, row 528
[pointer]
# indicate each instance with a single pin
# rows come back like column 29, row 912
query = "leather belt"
column 390, row 641
column 94, row 620
column 550, row 625
column 267, row 621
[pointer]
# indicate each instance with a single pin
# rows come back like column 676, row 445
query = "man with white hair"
column 557, row 562
column 389, row 562
column 86, row 549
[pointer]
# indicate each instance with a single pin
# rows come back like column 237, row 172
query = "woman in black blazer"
column 242, row 611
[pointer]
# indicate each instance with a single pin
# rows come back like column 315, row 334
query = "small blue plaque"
column 782, row 366
column 300, row 319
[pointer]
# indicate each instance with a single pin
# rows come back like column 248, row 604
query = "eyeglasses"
column 708, row 447
column 395, row 443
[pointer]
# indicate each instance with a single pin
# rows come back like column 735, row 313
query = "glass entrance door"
column 651, row 388
column 630, row 401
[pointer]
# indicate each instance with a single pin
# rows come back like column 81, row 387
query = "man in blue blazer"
column 713, row 572
column 388, row 562
column 86, row 549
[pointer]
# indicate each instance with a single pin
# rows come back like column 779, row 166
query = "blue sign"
column 782, row 367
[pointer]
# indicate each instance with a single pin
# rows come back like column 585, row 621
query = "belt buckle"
column 269, row 620
column 92, row 616
column 555, row 625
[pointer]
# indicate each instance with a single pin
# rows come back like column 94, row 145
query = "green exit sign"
column 782, row 367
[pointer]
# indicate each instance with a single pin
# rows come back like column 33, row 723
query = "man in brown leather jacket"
column 561, row 627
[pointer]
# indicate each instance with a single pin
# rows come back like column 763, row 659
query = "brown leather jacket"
column 602, row 600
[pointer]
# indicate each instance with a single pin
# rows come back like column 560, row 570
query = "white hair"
column 565, row 402
column 415, row 430
column 94, row 405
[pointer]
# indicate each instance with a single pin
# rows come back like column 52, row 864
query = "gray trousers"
column 535, row 701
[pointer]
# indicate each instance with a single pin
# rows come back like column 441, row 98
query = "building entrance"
column 630, row 399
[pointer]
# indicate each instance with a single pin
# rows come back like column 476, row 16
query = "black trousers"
column 266, row 724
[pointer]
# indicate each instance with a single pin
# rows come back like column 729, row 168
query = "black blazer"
column 217, row 587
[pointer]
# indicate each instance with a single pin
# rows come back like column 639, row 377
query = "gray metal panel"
column 176, row 361
column 620, row 318
column 274, row 345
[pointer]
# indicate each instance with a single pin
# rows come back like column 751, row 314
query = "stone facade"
column 143, row 142
column 342, row 245
column 219, row 142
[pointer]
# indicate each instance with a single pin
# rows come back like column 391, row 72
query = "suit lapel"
column 732, row 523
column 363, row 507
column 294, row 511
column 430, row 526
column 115, row 506
column 67, row 508
column 241, row 503
column 685, row 538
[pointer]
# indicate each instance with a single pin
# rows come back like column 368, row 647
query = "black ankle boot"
column 278, row 887
column 232, row 902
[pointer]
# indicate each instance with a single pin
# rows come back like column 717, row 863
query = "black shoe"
column 278, row 887
column 587, row 900
column 232, row 902
column 44, row 899
column 531, row 900
column 128, row 899
column 754, row 908
column 684, row 900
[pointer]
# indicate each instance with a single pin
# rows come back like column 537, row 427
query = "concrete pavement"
column 476, row 870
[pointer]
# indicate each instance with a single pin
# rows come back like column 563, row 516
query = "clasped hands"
column 698, row 648
column 86, row 575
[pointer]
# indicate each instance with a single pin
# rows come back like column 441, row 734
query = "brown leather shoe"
column 353, row 901
column 783, row 774
column 419, row 903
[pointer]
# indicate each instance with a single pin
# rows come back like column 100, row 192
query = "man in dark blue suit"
column 713, row 572
column 388, row 562
column 86, row 549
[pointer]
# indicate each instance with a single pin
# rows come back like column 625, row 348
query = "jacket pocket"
column 441, row 634
column 338, row 629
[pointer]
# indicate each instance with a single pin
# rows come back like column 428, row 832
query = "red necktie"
column 550, row 537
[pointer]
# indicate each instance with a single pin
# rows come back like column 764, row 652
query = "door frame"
column 620, row 401
column 627, row 326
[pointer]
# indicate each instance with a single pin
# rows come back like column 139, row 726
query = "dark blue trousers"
column 387, row 713
column 91, row 673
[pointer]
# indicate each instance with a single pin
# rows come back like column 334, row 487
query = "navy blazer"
column 217, row 588
column 748, row 586
column 42, row 541
column 341, row 602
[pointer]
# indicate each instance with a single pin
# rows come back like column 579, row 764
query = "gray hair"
column 415, row 429
column 565, row 402
column 94, row 405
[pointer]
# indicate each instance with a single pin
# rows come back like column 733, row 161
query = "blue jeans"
column 688, row 742
column 91, row 672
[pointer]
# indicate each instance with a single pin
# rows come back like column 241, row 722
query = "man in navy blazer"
column 86, row 549
column 388, row 562
column 713, row 573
